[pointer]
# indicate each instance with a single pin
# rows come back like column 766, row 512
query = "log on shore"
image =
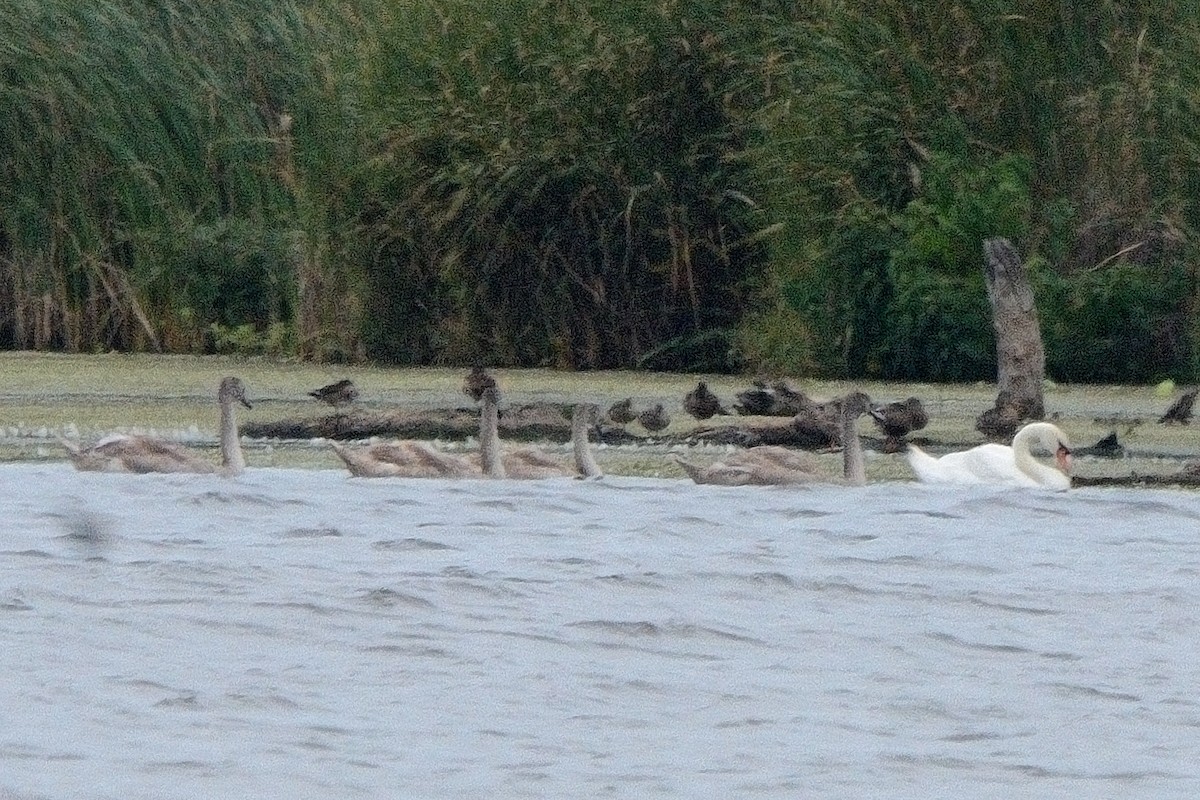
column 535, row 422
column 1185, row 479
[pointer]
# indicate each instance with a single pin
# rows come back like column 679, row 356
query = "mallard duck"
column 621, row 412
column 998, row 422
column 655, row 419
column 816, row 426
column 701, row 403
column 789, row 401
column 476, row 381
column 897, row 420
column 1109, row 446
column 142, row 454
column 337, row 394
column 755, row 401
column 1180, row 411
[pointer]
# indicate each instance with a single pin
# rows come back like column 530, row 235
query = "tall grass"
column 148, row 182
column 679, row 184
column 1095, row 99
column 563, row 183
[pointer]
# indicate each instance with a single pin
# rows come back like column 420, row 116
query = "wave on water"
column 303, row 634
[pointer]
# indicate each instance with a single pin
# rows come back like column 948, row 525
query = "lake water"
column 302, row 634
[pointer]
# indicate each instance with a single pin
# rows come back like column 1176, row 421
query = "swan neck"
column 231, row 447
column 1039, row 472
column 854, row 468
column 585, row 461
column 489, row 438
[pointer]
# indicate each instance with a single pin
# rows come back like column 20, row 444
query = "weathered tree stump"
column 1020, row 357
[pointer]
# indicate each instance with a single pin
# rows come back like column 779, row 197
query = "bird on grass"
column 476, row 382
column 701, row 403
column 897, row 420
column 621, row 412
column 655, row 419
column 755, row 401
column 344, row 392
column 1181, row 410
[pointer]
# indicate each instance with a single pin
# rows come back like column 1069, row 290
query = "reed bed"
column 695, row 185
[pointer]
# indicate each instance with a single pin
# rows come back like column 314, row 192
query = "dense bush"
column 689, row 184
column 568, row 193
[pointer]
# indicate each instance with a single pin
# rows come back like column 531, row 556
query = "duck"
column 755, row 401
column 998, row 422
column 1002, row 465
column 772, row 465
column 1181, row 410
column 789, row 400
column 476, row 382
column 897, row 420
column 702, row 404
column 337, row 394
column 655, row 419
column 817, row 424
column 146, row 454
column 621, row 412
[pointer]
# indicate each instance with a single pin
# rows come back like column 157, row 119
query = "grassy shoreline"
column 45, row 394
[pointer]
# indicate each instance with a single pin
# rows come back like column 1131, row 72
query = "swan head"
column 589, row 413
column 232, row 391
column 1051, row 439
column 855, row 404
column 1062, row 457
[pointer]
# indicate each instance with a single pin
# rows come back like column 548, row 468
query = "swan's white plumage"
column 1000, row 465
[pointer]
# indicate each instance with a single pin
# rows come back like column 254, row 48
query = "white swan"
column 1001, row 465
column 141, row 454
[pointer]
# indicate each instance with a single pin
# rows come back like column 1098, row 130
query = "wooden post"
column 1020, row 358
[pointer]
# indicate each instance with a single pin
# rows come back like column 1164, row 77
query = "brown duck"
column 897, row 420
column 1181, row 410
column 755, row 401
column 701, row 403
column 476, row 382
column 621, row 412
column 337, row 394
column 655, row 419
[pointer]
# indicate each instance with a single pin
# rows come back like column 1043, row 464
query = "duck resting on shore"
column 897, row 420
column 621, row 412
column 702, row 404
column 476, row 382
column 343, row 392
column 655, row 419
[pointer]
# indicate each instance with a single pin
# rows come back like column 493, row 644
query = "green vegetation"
column 669, row 185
